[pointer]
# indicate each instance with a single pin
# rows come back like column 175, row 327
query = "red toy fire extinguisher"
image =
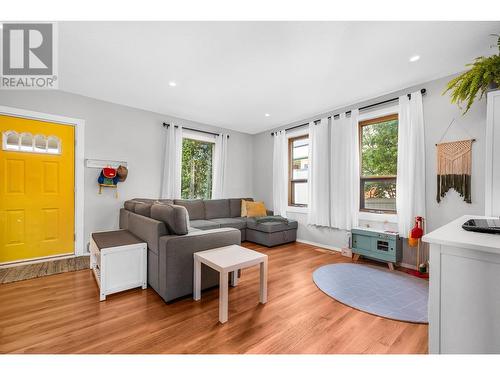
column 414, row 239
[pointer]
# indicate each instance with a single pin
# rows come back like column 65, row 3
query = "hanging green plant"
column 484, row 72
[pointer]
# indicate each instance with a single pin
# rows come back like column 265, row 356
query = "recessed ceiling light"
column 414, row 58
column 267, row 115
column 172, row 84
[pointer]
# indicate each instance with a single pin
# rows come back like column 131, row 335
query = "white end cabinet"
column 464, row 290
column 119, row 261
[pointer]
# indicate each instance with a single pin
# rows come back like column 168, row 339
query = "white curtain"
column 410, row 189
column 171, row 182
column 319, row 182
column 280, row 173
column 219, row 171
column 344, row 171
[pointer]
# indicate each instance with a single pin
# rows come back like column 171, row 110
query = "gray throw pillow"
column 143, row 209
column 175, row 217
column 129, row 205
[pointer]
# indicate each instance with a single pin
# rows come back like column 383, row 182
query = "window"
column 25, row 142
column 378, row 157
column 298, row 173
column 196, row 175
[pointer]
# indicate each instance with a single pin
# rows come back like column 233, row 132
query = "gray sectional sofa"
column 175, row 229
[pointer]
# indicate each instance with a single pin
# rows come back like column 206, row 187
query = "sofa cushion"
column 229, row 222
column 175, row 217
column 271, row 227
column 216, row 208
column 143, row 209
column 129, row 205
column 244, row 206
column 204, row 224
column 195, row 208
column 235, row 206
column 114, row 238
column 255, row 209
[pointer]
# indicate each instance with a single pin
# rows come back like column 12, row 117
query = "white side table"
column 225, row 260
column 119, row 261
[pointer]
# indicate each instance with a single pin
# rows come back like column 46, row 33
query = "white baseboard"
column 328, row 247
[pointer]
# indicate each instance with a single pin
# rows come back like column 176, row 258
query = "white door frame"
column 79, row 187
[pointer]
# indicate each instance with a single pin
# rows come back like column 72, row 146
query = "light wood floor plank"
column 62, row 314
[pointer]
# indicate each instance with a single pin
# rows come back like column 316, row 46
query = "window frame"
column 291, row 180
column 362, row 179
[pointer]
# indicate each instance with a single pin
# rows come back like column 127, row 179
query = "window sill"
column 300, row 210
column 371, row 216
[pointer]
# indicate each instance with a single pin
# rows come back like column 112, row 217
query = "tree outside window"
column 197, row 167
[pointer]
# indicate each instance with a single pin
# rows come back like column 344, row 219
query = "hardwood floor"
column 62, row 314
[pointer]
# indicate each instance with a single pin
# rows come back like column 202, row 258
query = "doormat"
column 51, row 267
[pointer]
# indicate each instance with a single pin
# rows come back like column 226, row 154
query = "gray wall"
column 116, row 132
column 438, row 113
column 123, row 133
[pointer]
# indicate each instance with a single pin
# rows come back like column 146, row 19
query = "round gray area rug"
column 390, row 294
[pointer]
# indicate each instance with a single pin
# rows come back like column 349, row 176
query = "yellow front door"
column 36, row 189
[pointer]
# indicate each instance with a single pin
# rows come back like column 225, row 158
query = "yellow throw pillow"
column 244, row 208
column 255, row 209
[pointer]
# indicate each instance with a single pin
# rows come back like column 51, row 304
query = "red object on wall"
column 109, row 172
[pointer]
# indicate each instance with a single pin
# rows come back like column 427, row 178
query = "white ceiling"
column 229, row 74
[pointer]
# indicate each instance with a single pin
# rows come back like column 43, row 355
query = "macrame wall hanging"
column 454, row 167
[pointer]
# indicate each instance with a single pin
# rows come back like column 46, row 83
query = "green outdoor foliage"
column 196, row 169
column 484, row 72
column 379, row 157
column 380, row 149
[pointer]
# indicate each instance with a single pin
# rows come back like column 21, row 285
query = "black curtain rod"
column 422, row 91
column 195, row 130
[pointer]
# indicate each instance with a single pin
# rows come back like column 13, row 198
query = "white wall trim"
column 372, row 216
column 297, row 210
column 198, row 136
column 369, row 114
column 488, row 161
column 298, row 132
column 79, row 125
column 328, row 247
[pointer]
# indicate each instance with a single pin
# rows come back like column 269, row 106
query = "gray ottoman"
column 271, row 233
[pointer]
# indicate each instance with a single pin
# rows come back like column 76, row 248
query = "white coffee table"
column 225, row 260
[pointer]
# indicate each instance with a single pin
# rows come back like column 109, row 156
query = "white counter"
column 452, row 234
column 464, row 290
